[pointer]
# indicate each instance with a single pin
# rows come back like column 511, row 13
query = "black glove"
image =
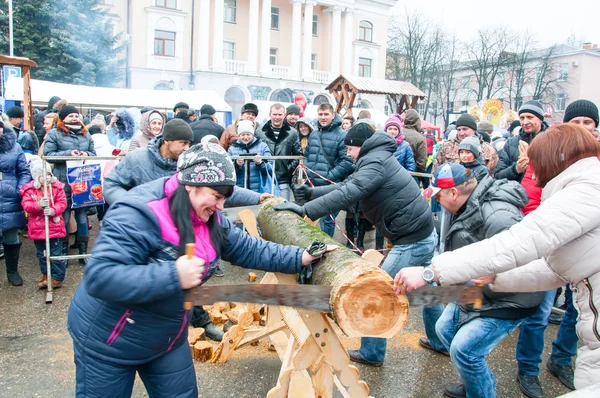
column 316, row 248
column 291, row 207
column 302, row 193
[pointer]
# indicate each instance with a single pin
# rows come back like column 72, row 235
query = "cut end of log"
column 195, row 335
column 361, row 304
column 251, row 277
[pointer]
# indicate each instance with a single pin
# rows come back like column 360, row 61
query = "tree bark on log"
column 362, row 300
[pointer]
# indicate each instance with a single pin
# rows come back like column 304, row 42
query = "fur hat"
column 250, row 107
column 206, row 165
column 36, row 167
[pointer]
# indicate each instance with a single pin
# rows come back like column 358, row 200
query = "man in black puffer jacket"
column 206, row 124
column 326, row 154
column 513, row 160
column 282, row 140
column 479, row 211
column 392, row 201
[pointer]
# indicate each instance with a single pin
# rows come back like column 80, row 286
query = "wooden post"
column 27, row 108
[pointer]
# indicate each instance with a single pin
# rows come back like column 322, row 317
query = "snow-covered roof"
column 112, row 98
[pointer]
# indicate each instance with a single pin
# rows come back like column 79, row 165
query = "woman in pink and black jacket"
column 127, row 315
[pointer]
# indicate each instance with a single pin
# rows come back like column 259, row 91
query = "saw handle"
column 478, row 301
column 189, row 252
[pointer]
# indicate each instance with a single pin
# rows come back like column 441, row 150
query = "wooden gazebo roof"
column 345, row 89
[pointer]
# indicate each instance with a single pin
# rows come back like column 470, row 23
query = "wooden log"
column 251, row 277
column 195, row 335
column 362, row 300
column 203, row 351
column 216, row 317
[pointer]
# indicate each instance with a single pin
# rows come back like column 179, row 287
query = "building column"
column 253, row 36
column 336, row 24
column 217, row 56
column 348, row 39
column 203, row 42
column 308, row 37
column 296, row 37
column 265, row 37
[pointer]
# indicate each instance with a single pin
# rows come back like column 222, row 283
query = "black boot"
column 363, row 227
column 11, row 256
column 379, row 242
column 350, row 228
column 82, row 245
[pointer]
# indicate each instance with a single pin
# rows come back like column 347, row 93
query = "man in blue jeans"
column 479, row 211
column 392, row 202
column 531, row 346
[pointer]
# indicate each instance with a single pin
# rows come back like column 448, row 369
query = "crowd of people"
column 517, row 215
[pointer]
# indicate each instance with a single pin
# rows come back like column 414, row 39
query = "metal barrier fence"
column 48, row 159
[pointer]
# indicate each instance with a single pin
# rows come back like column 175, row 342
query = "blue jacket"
column 253, row 173
column 128, row 309
column 332, row 139
column 405, row 156
column 14, row 174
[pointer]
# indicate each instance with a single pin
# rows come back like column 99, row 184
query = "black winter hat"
column 94, row 130
column 250, row 107
column 66, row 111
column 358, row 134
column 207, row 110
column 534, row 107
column 147, row 108
column 466, row 120
column 514, row 125
column 581, row 108
column 181, row 105
column 293, row 109
column 177, row 130
column 15, row 111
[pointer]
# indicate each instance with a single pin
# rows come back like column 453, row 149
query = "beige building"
column 250, row 50
column 567, row 75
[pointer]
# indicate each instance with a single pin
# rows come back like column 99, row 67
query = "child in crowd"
column 251, row 173
column 403, row 153
column 469, row 156
column 38, row 207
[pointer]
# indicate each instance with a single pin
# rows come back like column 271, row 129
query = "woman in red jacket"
column 38, row 207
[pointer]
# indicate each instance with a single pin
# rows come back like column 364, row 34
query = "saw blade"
column 432, row 295
column 313, row 297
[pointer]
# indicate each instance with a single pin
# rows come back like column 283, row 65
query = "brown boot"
column 56, row 284
column 43, row 283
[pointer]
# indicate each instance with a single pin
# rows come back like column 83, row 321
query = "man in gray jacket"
column 479, row 211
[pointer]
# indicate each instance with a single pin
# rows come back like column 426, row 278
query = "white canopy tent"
column 109, row 99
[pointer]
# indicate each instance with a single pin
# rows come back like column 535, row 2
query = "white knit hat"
column 245, row 126
column 36, row 166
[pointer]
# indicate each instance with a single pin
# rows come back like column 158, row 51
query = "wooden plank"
column 373, row 256
column 27, row 109
column 249, row 220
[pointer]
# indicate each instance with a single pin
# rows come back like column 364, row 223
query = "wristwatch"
column 428, row 274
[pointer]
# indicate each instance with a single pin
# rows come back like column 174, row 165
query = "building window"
column 228, row 50
column 315, row 25
column 561, row 102
column 364, row 67
column 563, row 71
column 275, row 18
column 313, row 61
column 465, row 103
column 365, row 31
column 229, row 13
column 165, row 3
column 273, row 56
column 164, row 43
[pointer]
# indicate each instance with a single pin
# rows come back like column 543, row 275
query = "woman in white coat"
column 557, row 243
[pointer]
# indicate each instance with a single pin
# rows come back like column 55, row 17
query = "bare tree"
column 518, row 67
column 414, row 51
column 488, row 54
column 548, row 75
column 446, row 77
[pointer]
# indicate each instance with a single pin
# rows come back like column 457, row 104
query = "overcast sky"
column 552, row 21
